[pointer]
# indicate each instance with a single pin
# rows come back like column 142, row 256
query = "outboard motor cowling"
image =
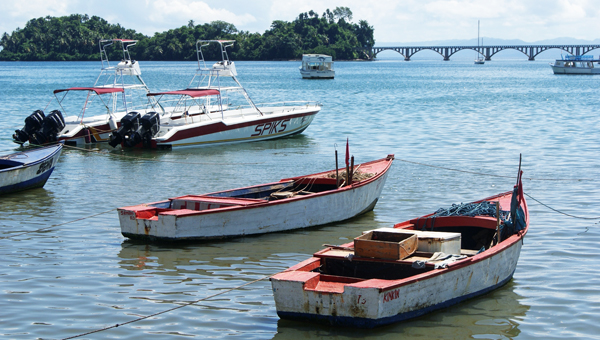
column 33, row 123
column 52, row 125
column 150, row 123
column 129, row 125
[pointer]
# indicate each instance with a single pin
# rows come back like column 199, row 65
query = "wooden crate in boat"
column 385, row 245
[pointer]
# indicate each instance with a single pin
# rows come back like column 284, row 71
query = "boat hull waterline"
column 28, row 169
column 226, row 132
column 252, row 210
column 306, row 292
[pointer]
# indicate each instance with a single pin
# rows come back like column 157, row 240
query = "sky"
column 402, row 21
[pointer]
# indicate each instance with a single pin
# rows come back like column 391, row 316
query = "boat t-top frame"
column 211, row 76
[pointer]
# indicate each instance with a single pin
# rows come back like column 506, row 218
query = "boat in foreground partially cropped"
column 393, row 274
column 118, row 89
column 214, row 109
column 576, row 64
column 28, row 169
column 291, row 203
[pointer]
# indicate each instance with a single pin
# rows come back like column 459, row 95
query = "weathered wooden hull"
column 28, row 169
column 371, row 304
column 195, row 219
column 340, row 292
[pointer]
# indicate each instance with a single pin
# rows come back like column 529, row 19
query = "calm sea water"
column 457, row 130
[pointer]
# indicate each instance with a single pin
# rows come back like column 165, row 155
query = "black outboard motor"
column 32, row 124
column 129, row 125
column 150, row 124
column 51, row 126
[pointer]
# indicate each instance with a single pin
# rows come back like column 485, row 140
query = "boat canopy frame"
column 99, row 91
column 212, row 75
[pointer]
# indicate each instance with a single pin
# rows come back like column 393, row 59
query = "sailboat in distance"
column 480, row 59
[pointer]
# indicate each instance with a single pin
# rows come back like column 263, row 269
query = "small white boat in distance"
column 418, row 266
column 291, row 203
column 214, row 109
column 117, row 90
column 28, row 169
column 318, row 66
column 575, row 64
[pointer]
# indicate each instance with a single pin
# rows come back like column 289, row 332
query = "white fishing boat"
column 28, row 169
column 117, row 90
column 576, row 64
column 418, row 266
column 480, row 60
column 291, row 203
column 317, row 66
column 214, row 109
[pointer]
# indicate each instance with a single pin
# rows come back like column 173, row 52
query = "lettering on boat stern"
column 45, row 166
column 270, row 128
column 391, row 295
column 131, row 214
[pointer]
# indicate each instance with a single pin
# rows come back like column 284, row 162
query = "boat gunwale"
column 58, row 148
column 188, row 212
column 385, row 285
column 220, row 126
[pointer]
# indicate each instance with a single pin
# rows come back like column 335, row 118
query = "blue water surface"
column 456, row 129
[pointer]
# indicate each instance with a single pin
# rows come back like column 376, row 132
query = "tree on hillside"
column 75, row 37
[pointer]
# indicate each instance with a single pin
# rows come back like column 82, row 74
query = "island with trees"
column 75, row 38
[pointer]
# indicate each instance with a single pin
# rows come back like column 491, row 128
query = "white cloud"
column 394, row 20
column 163, row 11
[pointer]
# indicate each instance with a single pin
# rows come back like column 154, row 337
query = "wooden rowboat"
column 291, row 203
column 457, row 257
column 28, row 169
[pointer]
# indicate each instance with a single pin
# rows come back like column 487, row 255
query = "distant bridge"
column 531, row 51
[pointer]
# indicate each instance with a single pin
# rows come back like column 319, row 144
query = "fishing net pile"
column 356, row 176
column 471, row 210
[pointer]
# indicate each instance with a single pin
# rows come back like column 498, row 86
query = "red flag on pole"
column 347, row 152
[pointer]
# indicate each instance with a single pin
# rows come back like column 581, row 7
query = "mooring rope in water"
column 57, row 225
column 492, row 175
column 560, row 212
column 150, row 159
column 170, row 309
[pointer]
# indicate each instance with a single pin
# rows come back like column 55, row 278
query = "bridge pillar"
column 531, row 54
column 487, row 54
column 406, row 54
column 446, row 55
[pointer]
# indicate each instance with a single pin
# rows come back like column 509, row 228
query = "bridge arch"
column 531, row 51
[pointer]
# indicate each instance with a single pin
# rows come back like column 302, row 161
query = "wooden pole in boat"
column 351, row 169
column 498, row 221
column 337, row 173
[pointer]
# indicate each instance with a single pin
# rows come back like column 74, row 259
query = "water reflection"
column 493, row 316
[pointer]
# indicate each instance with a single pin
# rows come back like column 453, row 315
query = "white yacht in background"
column 318, row 66
column 576, row 64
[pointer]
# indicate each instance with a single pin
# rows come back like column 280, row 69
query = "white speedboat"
column 575, row 64
column 214, row 109
column 318, row 66
column 117, row 90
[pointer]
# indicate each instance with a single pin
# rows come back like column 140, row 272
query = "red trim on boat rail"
column 194, row 93
column 98, row 90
